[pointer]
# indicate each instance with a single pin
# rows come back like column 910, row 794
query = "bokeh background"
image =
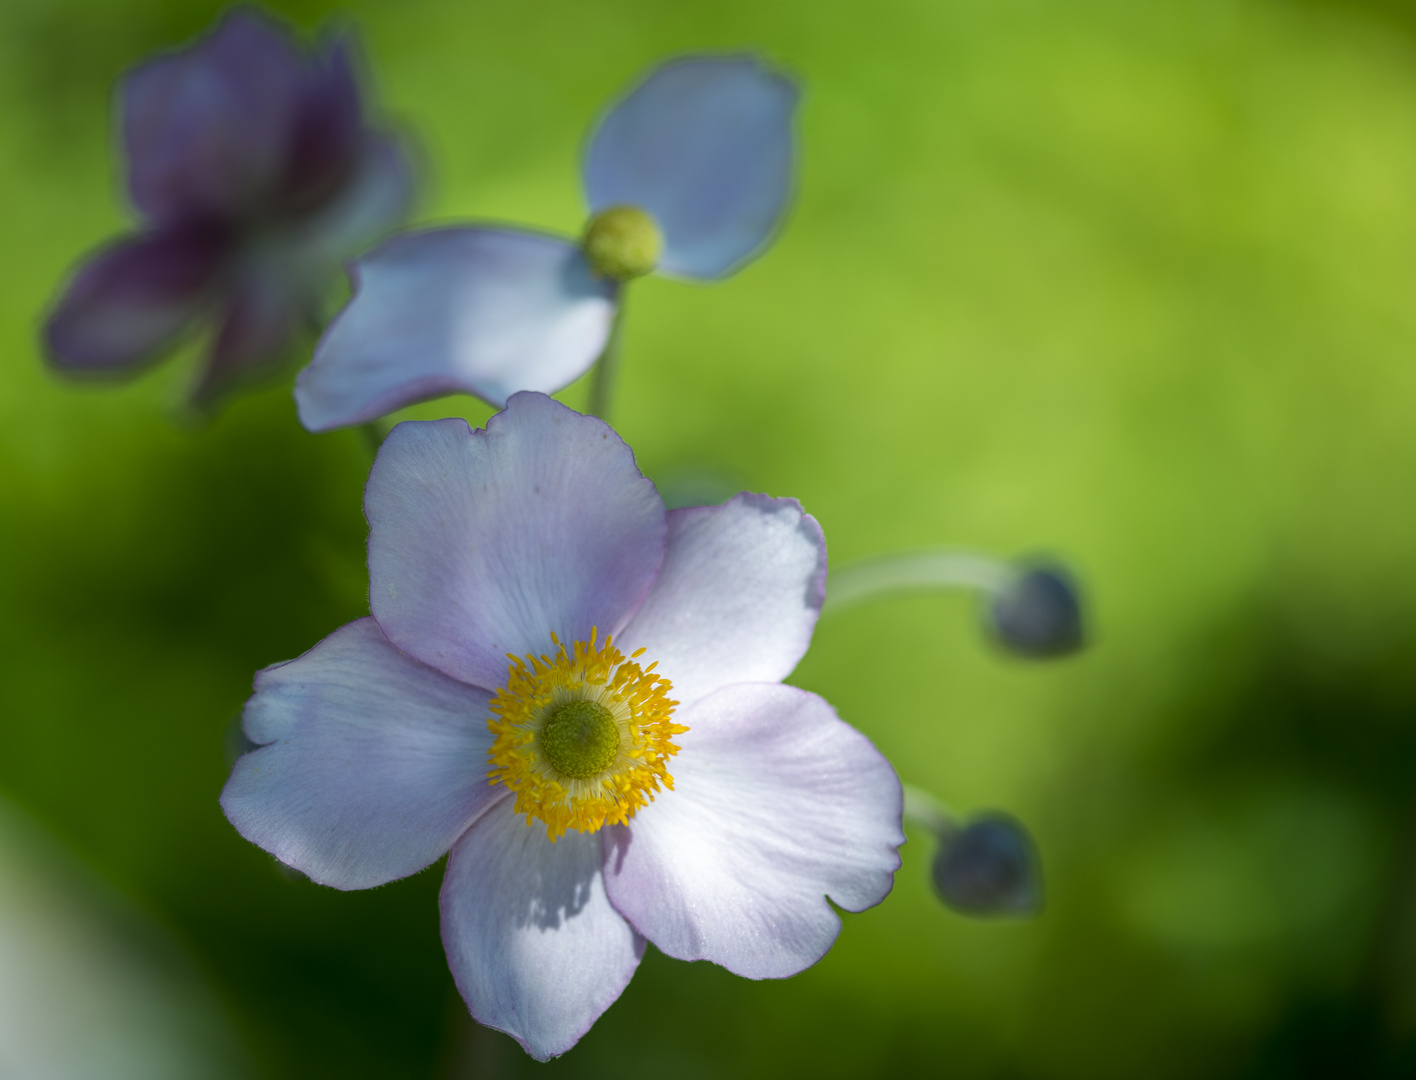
column 1130, row 283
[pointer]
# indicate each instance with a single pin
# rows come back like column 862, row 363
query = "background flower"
column 375, row 744
column 705, row 146
column 255, row 175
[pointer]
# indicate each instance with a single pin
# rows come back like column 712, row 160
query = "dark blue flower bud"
column 989, row 867
column 1038, row 614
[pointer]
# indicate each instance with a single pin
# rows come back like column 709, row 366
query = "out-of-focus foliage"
column 89, row 990
column 1132, row 282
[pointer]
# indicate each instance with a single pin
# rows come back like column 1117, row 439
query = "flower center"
column 623, row 242
column 582, row 737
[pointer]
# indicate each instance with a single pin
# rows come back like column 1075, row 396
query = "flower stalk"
column 1033, row 611
column 913, row 571
column 602, row 380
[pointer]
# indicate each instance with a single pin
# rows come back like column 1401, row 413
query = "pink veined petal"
column 737, row 598
column 133, row 300
column 484, row 543
column 534, row 945
column 777, row 804
column 373, row 764
column 706, row 145
column 468, row 310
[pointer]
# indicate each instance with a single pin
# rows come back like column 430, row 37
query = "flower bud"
column 989, row 867
column 1038, row 614
column 623, row 242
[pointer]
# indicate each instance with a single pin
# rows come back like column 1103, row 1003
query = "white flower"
column 637, row 771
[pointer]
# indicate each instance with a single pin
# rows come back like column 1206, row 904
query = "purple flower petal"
column 326, row 140
column 257, row 330
column 375, row 763
column 777, row 804
column 132, row 300
column 375, row 200
column 737, row 598
column 534, row 945
column 208, row 128
column 483, row 543
column 480, row 311
column 705, row 145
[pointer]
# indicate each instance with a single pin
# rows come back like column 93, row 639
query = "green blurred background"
column 1130, row 282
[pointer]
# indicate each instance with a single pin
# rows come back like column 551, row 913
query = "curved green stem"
column 924, row 810
column 911, row 571
column 374, row 434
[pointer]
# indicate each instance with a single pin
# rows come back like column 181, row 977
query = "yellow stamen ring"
column 582, row 737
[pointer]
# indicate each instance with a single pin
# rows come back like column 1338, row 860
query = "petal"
column 777, row 804
column 208, row 128
column 327, row 135
column 737, row 598
column 375, row 763
column 534, row 945
column 257, row 330
column 376, row 200
column 483, row 543
column 132, row 300
column 706, row 145
column 479, row 311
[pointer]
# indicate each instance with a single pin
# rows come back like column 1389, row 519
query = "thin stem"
column 924, row 810
column 602, row 382
column 891, row 575
column 374, row 434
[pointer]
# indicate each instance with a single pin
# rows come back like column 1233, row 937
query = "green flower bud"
column 623, row 242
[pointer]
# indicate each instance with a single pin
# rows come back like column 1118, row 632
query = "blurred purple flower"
column 690, row 174
column 256, row 178
column 539, row 538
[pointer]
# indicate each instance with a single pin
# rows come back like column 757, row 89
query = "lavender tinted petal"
column 706, row 145
column 483, row 311
column 132, row 300
column 258, row 327
column 327, row 139
column 535, row 948
column 777, row 804
column 208, row 129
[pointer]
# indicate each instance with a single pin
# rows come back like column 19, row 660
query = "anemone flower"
column 636, row 772
column 687, row 175
column 256, row 178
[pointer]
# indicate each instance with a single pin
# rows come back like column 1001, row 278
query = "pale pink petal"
column 777, row 805
column 534, row 945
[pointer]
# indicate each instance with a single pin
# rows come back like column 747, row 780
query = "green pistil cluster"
column 623, row 242
column 580, row 739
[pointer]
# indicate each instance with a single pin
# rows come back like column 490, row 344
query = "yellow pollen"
column 582, row 737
